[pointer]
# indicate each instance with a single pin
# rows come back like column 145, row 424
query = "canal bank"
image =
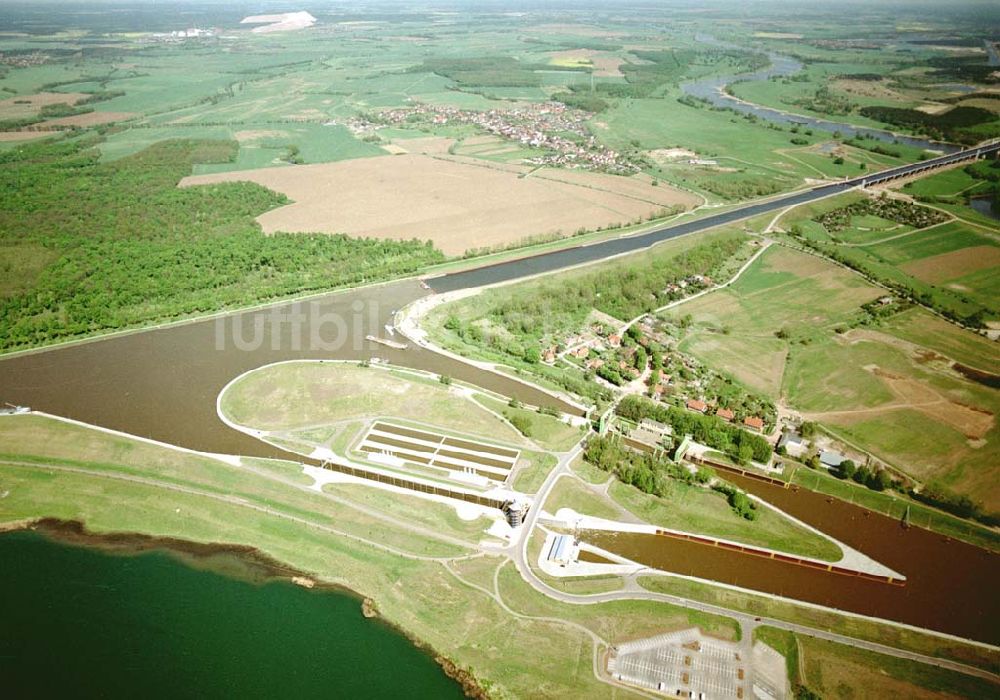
column 950, row 585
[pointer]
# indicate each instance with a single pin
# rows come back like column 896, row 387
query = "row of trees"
column 875, row 479
column 648, row 473
column 651, row 474
column 708, row 430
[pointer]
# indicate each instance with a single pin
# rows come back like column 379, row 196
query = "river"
column 985, row 206
column 82, row 622
column 713, row 90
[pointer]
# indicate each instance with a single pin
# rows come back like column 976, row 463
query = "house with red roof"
column 696, row 405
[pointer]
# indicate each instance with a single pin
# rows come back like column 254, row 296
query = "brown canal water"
column 951, row 586
column 163, row 384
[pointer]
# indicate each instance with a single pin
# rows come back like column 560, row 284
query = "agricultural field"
column 944, row 257
column 792, row 327
column 317, row 98
column 956, row 256
column 456, row 204
column 802, row 296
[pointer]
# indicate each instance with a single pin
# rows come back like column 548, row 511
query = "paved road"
column 519, row 554
column 567, row 257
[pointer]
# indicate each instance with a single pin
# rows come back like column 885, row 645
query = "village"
column 548, row 125
column 642, row 359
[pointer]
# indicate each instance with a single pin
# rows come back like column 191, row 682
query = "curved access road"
column 518, row 552
column 579, row 255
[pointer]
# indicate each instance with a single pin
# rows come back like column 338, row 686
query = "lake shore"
column 240, row 562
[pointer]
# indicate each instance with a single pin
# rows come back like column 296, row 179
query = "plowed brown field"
column 456, row 204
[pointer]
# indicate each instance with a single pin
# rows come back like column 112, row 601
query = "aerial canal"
column 84, row 622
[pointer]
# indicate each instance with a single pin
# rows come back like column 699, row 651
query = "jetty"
column 389, row 343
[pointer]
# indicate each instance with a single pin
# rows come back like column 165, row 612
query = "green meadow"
column 888, row 388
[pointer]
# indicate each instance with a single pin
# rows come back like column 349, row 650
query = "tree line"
column 117, row 244
column 652, row 473
column 716, row 433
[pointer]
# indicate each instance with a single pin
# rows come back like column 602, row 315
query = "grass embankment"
column 887, row 386
column 437, row 517
column 547, row 431
column 829, row 669
column 828, row 620
column 571, row 493
column 529, row 478
column 691, row 509
column 198, row 485
column 618, row 620
column 588, row 472
column 300, row 394
column 511, row 656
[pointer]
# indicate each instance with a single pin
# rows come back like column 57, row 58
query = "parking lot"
column 684, row 664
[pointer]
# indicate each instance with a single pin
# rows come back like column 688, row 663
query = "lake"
column 82, row 622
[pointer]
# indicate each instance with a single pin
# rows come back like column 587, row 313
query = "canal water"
column 81, row 622
column 163, row 384
column 950, row 586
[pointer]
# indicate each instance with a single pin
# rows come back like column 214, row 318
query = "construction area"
column 689, row 664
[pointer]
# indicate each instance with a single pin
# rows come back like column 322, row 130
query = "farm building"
column 831, row 459
column 793, row 443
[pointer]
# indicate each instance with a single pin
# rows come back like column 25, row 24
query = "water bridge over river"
column 568, row 257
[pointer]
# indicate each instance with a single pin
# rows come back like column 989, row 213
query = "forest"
column 963, row 125
column 134, row 247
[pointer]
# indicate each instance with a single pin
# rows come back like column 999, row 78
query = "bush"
column 521, row 422
column 738, row 501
